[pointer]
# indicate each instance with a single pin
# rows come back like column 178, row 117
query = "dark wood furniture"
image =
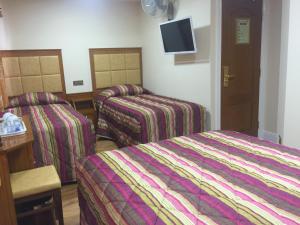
column 84, row 103
column 241, row 52
column 15, row 155
column 39, row 201
column 44, row 215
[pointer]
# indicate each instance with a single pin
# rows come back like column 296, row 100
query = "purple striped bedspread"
column 61, row 136
column 216, row 177
column 132, row 115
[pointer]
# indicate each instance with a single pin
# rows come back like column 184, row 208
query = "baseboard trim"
column 269, row 136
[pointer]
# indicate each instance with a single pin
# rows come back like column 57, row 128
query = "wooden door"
column 241, row 50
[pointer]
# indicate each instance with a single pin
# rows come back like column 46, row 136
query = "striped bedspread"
column 209, row 178
column 141, row 117
column 61, row 135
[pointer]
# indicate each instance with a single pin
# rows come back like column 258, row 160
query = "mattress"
column 134, row 117
column 218, row 177
column 61, row 134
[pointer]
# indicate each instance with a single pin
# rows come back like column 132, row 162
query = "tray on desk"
column 22, row 131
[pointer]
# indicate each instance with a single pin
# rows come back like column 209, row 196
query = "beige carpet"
column 70, row 204
column 69, row 192
column 105, row 145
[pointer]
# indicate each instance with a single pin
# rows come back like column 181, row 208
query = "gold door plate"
column 227, row 76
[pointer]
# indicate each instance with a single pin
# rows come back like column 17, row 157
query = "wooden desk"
column 15, row 155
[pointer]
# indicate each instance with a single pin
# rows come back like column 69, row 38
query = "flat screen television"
column 178, row 36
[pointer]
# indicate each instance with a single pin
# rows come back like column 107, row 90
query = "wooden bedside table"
column 15, row 155
column 84, row 103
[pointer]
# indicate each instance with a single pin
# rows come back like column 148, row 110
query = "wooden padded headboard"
column 3, row 99
column 113, row 66
column 32, row 71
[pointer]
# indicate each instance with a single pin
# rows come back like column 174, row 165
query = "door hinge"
column 280, row 139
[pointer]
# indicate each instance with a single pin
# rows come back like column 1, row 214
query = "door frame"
column 216, row 14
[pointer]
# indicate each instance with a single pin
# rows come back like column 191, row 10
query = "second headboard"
column 113, row 66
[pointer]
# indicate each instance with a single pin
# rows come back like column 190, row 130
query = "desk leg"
column 7, row 204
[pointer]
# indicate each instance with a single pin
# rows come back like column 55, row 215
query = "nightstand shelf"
column 83, row 103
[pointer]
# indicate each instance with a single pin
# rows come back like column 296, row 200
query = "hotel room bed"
column 61, row 134
column 216, row 177
column 132, row 115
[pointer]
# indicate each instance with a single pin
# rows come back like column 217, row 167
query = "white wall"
column 291, row 118
column 216, row 56
column 3, row 41
column 2, row 37
column 270, row 66
column 162, row 74
column 74, row 26
column 283, row 65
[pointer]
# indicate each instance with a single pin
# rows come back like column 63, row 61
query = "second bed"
column 132, row 115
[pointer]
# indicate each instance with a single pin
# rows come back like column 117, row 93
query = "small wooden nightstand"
column 83, row 103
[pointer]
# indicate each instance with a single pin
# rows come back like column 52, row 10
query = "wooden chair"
column 36, row 192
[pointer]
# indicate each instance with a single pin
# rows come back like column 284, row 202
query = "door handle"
column 227, row 76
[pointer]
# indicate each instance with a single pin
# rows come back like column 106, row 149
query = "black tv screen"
column 178, row 36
